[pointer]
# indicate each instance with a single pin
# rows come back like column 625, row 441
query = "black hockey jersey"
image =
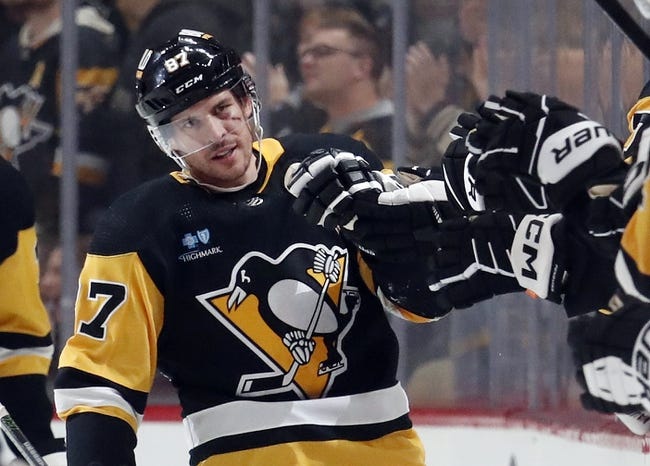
column 276, row 344
column 30, row 105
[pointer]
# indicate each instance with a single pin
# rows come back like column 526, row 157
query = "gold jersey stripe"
column 21, row 307
column 402, row 448
column 26, row 364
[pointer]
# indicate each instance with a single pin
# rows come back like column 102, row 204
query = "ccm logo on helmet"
column 187, row 84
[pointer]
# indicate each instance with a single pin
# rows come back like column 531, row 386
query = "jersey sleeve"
column 118, row 318
column 25, row 329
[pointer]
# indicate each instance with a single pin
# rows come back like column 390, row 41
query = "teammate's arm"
column 25, row 329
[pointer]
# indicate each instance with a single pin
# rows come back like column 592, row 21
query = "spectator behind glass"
column 136, row 156
column 440, row 72
column 341, row 62
column 430, row 113
column 289, row 110
column 30, row 80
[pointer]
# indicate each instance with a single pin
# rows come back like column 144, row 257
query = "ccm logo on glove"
column 535, row 261
column 532, row 234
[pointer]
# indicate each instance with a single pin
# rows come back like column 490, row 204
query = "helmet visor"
column 188, row 135
column 193, row 131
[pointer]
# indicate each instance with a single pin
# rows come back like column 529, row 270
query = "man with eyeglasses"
column 342, row 63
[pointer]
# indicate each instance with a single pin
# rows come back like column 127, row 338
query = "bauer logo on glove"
column 570, row 147
column 539, row 140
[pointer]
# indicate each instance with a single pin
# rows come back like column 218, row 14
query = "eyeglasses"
column 321, row 51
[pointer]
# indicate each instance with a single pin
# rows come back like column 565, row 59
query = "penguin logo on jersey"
column 292, row 312
column 19, row 129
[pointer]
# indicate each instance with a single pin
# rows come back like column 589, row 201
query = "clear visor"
column 193, row 134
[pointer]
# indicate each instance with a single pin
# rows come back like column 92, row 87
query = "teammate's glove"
column 552, row 150
column 538, row 255
column 458, row 166
column 471, row 192
column 554, row 263
column 496, row 253
column 471, row 261
column 612, row 356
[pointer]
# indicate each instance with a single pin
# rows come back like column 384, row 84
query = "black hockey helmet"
column 183, row 71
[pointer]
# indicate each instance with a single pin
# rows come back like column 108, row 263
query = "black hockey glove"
column 471, row 262
column 458, row 166
column 552, row 262
column 371, row 209
column 397, row 226
column 612, row 356
column 471, row 192
column 496, row 253
column 324, row 184
column 554, row 152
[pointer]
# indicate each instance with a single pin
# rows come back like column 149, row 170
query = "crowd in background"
column 330, row 69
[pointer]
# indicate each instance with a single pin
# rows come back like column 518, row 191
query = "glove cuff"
column 533, row 256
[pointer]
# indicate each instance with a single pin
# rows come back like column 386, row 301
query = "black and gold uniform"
column 30, row 106
column 633, row 257
column 25, row 332
column 267, row 326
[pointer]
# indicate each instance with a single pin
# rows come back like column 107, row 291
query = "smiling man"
column 341, row 63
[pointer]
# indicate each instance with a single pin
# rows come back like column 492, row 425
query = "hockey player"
column 272, row 330
column 25, row 330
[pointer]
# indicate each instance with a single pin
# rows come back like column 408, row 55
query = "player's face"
column 215, row 139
